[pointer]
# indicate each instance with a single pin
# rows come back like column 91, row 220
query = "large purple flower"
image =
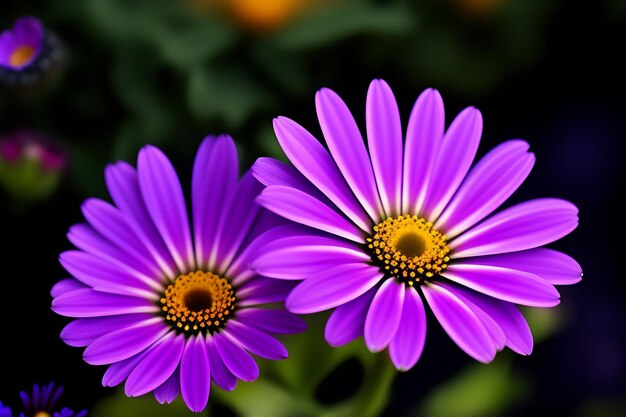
column 21, row 45
column 408, row 221
column 168, row 305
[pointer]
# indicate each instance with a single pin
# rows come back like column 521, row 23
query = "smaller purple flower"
column 5, row 411
column 41, row 402
column 21, row 45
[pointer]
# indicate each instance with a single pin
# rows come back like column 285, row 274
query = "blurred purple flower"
column 22, row 44
column 5, row 411
column 42, row 400
column 410, row 221
column 167, row 304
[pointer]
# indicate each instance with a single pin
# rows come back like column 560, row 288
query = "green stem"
column 374, row 392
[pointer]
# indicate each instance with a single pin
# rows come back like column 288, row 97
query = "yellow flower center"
column 408, row 248
column 42, row 414
column 198, row 302
column 21, row 55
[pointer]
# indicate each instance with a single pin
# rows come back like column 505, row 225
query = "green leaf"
column 122, row 406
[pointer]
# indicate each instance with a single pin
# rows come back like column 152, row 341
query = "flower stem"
column 374, row 393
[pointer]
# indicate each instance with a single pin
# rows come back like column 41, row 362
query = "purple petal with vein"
column 407, row 345
column 347, row 322
column 383, row 317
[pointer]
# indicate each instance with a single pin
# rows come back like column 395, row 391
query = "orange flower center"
column 21, row 55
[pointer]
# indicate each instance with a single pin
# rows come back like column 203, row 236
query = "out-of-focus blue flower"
column 5, row 411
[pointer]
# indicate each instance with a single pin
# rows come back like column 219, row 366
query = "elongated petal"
column 457, row 152
column 298, row 257
column 524, row 226
column 314, row 162
column 461, row 324
column 119, row 371
column 256, row 341
column 219, row 372
column 215, row 175
column 82, row 332
column 236, row 359
column 302, row 208
column 195, row 374
column 124, row 343
column 383, row 317
column 271, row 320
column 169, row 390
column 270, row 171
column 348, row 149
column 486, row 187
column 123, row 185
column 66, row 285
column 384, row 137
column 264, row 291
column 347, row 322
column 555, row 267
column 332, row 288
column 89, row 303
column 156, row 367
column 165, row 202
column 407, row 345
column 505, row 284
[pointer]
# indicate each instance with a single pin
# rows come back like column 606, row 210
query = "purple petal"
column 348, row 149
column 384, row 138
column 302, row 208
column 220, row 373
column 524, row 226
column 29, row 29
column 424, row 137
column 123, row 185
column 332, row 287
column 271, row 320
column 454, row 160
column 407, row 345
column 124, row 343
column 106, row 277
column 346, row 323
column 506, row 284
column 114, row 226
column 156, row 367
column 263, row 291
column 66, row 285
column 119, row 371
column 89, row 303
column 236, row 222
column 555, row 267
column 312, row 160
column 506, row 315
column 383, row 317
column 270, row 172
column 460, row 322
column 82, row 332
column 195, row 374
column 165, row 202
column 169, row 390
column 215, row 175
column 299, row 257
column 255, row 341
column 236, row 359
column 486, row 187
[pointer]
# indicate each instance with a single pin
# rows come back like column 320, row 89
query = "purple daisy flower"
column 168, row 305
column 42, row 401
column 409, row 221
column 22, row 44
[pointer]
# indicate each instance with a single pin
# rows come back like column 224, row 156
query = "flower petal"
column 555, row 267
column 195, row 374
column 89, row 303
column 302, row 208
column 524, row 226
column 348, row 149
column 169, row 390
column 407, row 345
column 156, row 367
column 255, row 341
column 383, row 317
column 124, row 343
column 347, row 322
column 460, row 322
column 215, row 175
column 271, row 320
column 236, row 359
column 332, row 288
column 270, row 171
column 313, row 161
column 165, row 202
column 505, row 284
column 454, row 160
column 219, row 372
column 119, row 371
column 494, row 178
column 384, row 138
column 83, row 332
column 264, row 291
column 66, row 285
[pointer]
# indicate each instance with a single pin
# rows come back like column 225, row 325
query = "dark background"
column 561, row 89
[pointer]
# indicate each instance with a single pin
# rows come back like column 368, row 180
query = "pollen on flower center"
column 408, row 248
column 21, row 55
column 42, row 414
column 198, row 302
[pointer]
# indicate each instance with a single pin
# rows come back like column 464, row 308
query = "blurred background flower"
column 167, row 72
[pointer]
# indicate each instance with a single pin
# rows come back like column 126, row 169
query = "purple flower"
column 41, row 402
column 167, row 304
column 410, row 221
column 21, row 45
column 5, row 411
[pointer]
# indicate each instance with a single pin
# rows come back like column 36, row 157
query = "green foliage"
column 119, row 405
